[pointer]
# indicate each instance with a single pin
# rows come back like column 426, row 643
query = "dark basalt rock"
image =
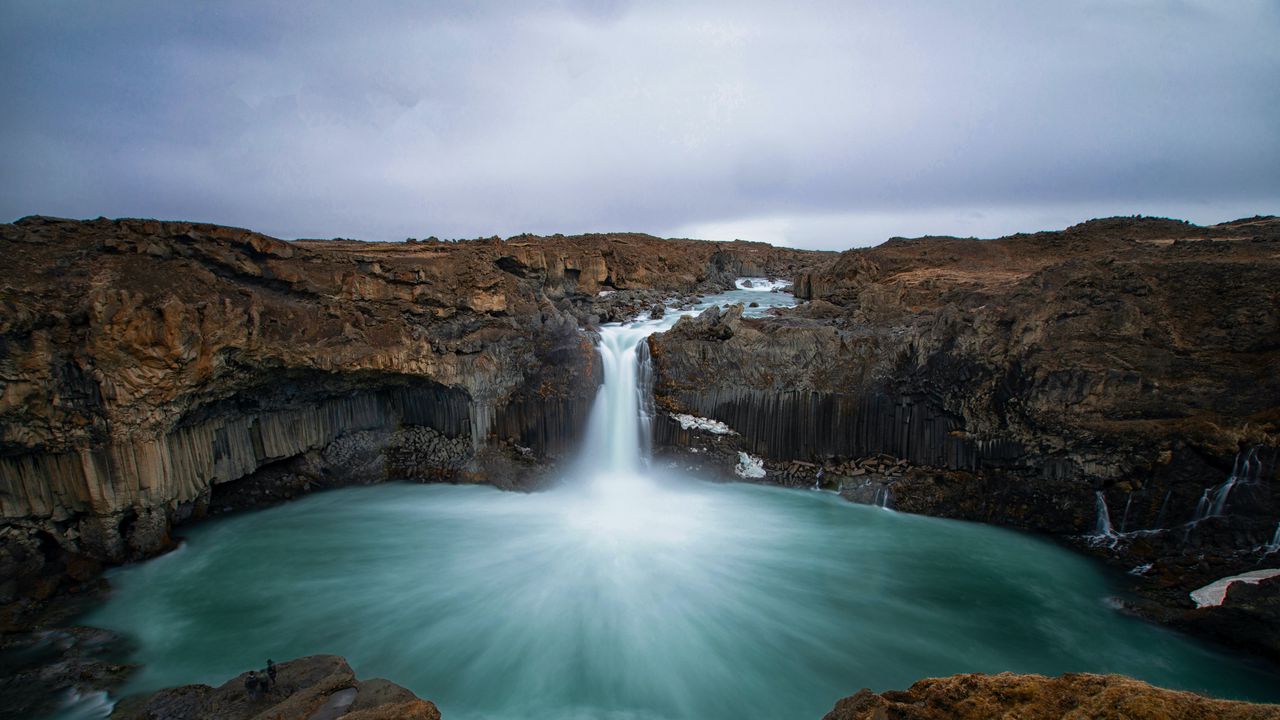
column 1018, row 378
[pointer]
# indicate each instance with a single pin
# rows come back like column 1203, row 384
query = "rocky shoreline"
column 324, row 686
column 1119, row 368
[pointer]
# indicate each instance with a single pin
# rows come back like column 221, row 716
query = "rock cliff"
column 151, row 371
column 1100, row 382
column 1035, row 697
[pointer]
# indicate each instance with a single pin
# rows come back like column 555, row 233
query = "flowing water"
column 632, row 591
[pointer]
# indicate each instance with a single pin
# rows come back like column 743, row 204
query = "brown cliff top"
column 931, row 266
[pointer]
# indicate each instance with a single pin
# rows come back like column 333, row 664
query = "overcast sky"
column 824, row 124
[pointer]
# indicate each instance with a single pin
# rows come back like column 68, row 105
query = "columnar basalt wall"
column 1095, row 356
column 147, row 367
column 789, row 425
column 181, row 465
column 1118, row 369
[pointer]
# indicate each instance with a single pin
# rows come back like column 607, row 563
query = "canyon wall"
column 1125, row 365
column 149, row 369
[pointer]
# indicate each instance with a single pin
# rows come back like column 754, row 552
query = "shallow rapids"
column 633, row 591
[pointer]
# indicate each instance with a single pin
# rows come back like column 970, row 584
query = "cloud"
column 824, row 124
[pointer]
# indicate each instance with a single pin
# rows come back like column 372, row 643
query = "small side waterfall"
column 1274, row 545
column 884, row 498
column 1202, row 507
column 1164, row 508
column 1124, row 519
column 644, row 389
column 1102, row 527
column 1245, row 470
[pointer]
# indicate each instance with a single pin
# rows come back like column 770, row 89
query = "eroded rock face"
column 147, row 367
column 319, row 686
column 1035, row 697
column 1018, row 378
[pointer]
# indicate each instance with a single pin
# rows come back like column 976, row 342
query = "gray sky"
column 824, row 124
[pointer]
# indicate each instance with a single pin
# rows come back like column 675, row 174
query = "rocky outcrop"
column 319, row 686
column 1035, row 697
column 1118, row 368
column 312, row 686
column 151, row 372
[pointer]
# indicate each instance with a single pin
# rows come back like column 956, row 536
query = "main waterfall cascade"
column 633, row 591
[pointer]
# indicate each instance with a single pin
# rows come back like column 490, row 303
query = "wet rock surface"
column 1035, row 697
column 42, row 670
column 1120, row 367
column 319, row 687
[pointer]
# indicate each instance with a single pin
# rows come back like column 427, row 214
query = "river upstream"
column 631, row 590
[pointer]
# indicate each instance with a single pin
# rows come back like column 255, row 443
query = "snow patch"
column 749, row 466
column 693, row 422
column 1215, row 592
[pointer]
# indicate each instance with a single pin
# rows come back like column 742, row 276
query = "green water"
column 670, row 598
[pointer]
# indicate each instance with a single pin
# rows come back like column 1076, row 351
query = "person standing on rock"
column 251, row 683
column 271, row 673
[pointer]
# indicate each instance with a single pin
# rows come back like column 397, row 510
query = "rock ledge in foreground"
column 1036, row 697
column 319, row 686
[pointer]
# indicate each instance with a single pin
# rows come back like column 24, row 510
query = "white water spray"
column 1244, row 471
column 1202, row 507
column 759, row 284
column 1103, row 524
column 616, row 444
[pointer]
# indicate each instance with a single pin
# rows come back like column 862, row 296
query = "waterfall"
column 883, row 498
column 1275, row 541
column 1124, row 519
column 619, row 430
column 1103, row 526
column 1245, row 470
column 1202, row 507
column 1164, row 507
column 644, row 389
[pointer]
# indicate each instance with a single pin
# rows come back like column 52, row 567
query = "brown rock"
column 1073, row 696
column 303, row 688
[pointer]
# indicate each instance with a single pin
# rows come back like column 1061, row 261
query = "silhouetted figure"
column 251, row 683
column 271, row 671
